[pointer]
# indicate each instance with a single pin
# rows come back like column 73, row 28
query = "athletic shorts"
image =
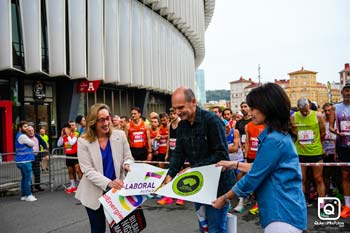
column 70, row 162
column 328, row 159
column 310, row 159
column 159, row 157
column 139, row 153
column 249, row 160
column 343, row 154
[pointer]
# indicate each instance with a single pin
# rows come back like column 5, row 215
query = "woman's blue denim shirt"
column 275, row 177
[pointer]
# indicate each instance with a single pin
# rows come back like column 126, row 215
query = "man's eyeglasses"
column 102, row 120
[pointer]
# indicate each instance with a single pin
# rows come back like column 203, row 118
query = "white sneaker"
column 23, row 198
column 31, row 198
column 239, row 208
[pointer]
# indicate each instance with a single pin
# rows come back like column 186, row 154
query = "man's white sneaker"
column 31, row 198
column 23, row 198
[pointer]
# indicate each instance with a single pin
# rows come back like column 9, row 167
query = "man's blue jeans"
column 216, row 218
column 26, row 171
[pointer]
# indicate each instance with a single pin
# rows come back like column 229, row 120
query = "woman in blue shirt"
column 275, row 175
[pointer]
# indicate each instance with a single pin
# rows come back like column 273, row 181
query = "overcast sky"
column 280, row 35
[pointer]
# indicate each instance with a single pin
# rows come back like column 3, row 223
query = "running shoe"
column 313, row 195
column 309, row 203
column 165, row 200
column 345, row 213
column 239, row 208
column 23, row 198
column 170, row 201
column 254, row 210
column 180, row 202
column 71, row 189
column 30, row 198
column 335, row 192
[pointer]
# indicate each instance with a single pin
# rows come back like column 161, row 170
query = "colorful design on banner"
column 142, row 179
column 198, row 184
column 157, row 175
column 188, row 184
column 117, row 206
column 131, row 200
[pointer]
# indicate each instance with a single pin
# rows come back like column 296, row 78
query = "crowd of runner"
column 321, row 135
column 314, row 129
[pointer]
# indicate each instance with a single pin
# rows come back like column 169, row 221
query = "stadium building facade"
column 58, row 57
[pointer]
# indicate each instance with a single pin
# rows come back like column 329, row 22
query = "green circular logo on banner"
column 188, row 184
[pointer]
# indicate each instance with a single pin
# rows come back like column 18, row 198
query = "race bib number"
column 162, row 142
column 306, row 137
column 243, row 139
column 254, row 142
column 329, row 135
column 345, row 127
column 172, row 143
column 138, row 136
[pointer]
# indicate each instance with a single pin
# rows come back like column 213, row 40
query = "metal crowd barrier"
column 336, row 164
column 59, row 173
column 10, row 175
column 55, row 175
column 52, row 176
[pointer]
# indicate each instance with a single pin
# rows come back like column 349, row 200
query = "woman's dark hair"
column 273, row 102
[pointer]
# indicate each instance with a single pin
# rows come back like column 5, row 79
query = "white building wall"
column 5, row 35
column 31, row 29
column 56, row 36
column 122, row 41
column 238, row 93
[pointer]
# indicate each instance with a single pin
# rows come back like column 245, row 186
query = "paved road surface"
column 59, row 212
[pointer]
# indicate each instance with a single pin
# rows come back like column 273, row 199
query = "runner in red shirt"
column 138, row 136
column 163, row 136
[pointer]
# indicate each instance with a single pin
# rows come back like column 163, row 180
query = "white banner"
column 109, row 218
column 198, row 184
column 142, row 179
column 118, row 207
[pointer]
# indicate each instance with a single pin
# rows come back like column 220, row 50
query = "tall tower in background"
column 199, row 89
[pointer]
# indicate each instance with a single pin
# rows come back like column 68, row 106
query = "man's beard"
column 346, row 98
